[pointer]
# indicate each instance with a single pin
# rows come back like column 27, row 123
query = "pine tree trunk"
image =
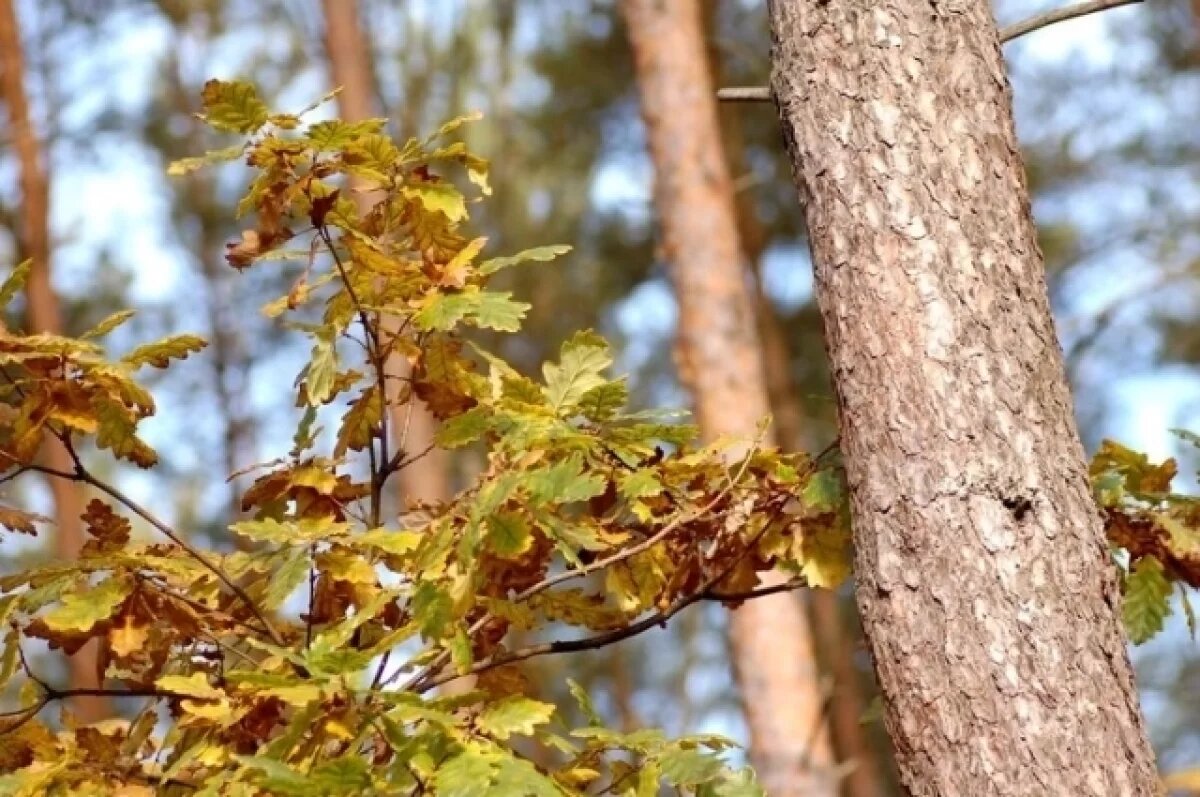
column 986, row 589
column 426, row 479
column 720, row 362
column 45, row 315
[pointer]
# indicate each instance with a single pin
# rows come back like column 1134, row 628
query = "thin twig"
column 164, row 590
column 658, row 618
column 82, row 474
column 1039, row 21
column 50, row 694
column 744, row 94
column 645, row 545
column 439, row 661
column 376, row 356
column 312, row 597
column 749, row 594
column 19, row 471
column 1007, row 34
column 400, row 463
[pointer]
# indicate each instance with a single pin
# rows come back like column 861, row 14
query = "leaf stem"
column 82, row 474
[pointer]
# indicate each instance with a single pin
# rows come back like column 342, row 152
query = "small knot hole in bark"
column 1020, row 506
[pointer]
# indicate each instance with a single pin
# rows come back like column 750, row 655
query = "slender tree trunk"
column 45, row 315
column 426, row 479
column 987, row 593
column 846, row 705
column 720, row 362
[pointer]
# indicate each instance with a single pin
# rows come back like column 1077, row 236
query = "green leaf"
column 300, row 725
column 468, row 774
column 265, row 530
column 278, row 776
column 322, row 661
column 647, row 781
column 195, row 685
column 449, row 127
column 390, row 541
column 574, row 536
column 464, row 428
column 824, row 492
column 490, row 310
column 233, row 106
column 334, row 134
column 185, row 166
column 689, row 767
column 541, row 254
column 460, row 652
column 563, row 482
column 1109, row 488
column 1182, row 434
column 31, row 781
column 444, row 311
column 347, row 774
column 498, row 311
column 520, row 778
column 81, row 610
column 508, row 534
column 9, row 657
column 1147, row 599
column 14, row 282
column 291, row 532
column 733, row 784
column 322, row 369
column 290, row 689
column 161, row 352
column 641, row 483
column 604, row 402
column 290, row 575
column 585, row 703
column 578, row 371
column 441, row 198
column 431, row 608
column 109, row 324
column 117, row 433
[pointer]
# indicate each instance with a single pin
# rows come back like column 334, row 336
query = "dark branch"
column 658, row 618
column 751, row 594
column 82, row 474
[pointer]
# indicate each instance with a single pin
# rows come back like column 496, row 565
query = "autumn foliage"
column 307, row 662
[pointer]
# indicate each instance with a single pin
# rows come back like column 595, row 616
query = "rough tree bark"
column 986, row 589
column 45, row 315
column 719, row 361
column 426, row 479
